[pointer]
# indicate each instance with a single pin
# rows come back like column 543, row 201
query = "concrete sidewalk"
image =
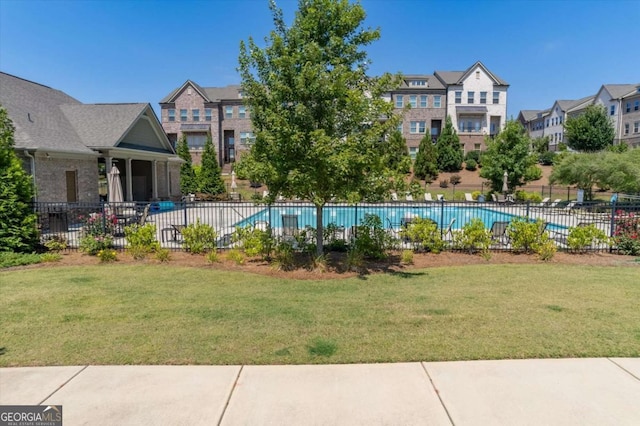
column 587, row 391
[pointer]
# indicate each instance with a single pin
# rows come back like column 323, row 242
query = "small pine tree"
column 210, row 178
column 449, row 153
column 18, row 230
column 398, row 154
column 187, row 174
column 426, row 165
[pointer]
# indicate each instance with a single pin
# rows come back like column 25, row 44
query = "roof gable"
column 171, row 97
column 496, row 80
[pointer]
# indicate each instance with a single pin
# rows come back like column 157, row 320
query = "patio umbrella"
column 505, row 185
column 114, row 186
column 234, row 185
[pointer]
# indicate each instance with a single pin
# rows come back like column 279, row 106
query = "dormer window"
column 240, row 94
column 418, row 83
column 477, row 75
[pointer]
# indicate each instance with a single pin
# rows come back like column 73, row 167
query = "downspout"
column 33, row 174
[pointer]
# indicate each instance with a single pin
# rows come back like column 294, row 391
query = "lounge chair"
column 394, row 196
column 499, row 233
column 555, row 202
column 143, row 216
column 408, row 197
column 544, row 202
column 469, row 197
column 440, row 197
column 289, row 226
column 427, row 197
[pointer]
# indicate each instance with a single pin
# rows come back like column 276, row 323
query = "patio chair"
column 499, row 233
column 440, row 197
column 143, row 216
column 469, row 197
column 408, row 197
column 555, row 202
column 448, row 230
column 394, row 196
column 427, row 197
column 289, row 226
column 544, row 202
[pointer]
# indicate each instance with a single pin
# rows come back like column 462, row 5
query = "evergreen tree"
column 591, row 131
column 18, row 230
column 210, row 177
column 449, row 153
column 426, row 165
column 398, row 154
column 187, row 174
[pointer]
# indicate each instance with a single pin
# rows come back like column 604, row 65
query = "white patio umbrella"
column 114, row 186
column 234, row 185
column 505, row 185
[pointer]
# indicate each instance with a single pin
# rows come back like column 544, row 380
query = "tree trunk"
column 319, row 228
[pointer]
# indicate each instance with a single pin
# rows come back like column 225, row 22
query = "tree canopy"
column 508, row 152
column 450, row 155
column 320, row 121
column 426, row 165
column 188, row 184
column 18, row 230
column 209, row 178
column 590, row 131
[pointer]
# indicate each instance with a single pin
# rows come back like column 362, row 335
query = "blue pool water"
column 392, row 216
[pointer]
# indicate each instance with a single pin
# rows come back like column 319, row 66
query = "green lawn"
column 115, row 314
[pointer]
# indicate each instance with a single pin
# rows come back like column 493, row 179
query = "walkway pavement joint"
column 233, row 388
column 624, row 369
column 64, row 384
column 435, row 389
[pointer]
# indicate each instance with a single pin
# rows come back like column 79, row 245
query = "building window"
column 458, row 97
column 228, row 112
column 242, row 111
column 636, row 105
column 418, row 127
column 628, row 108
column 470, row 97
column 423, row 101
column 613, row 110
column 436, row 101
column 171, row 114
column 413, row 101
column 183, row 115
column 399, row 101
column 483, row 97
column 413, row 152
column 417, row 83
column 496, row 97
column 636, row 127
column 546, row 123
column 626, row 128
column 560, row 119
column 472, row 125
column 207, row 114
column 195, row 114
column 476, row 147
column 247, row 138
column 196, row 140
column 477, row 75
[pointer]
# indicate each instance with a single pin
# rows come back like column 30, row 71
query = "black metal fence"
column 70, row 221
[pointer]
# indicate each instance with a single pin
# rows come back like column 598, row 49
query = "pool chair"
column 427, row 197
column 440, row 197
column 555, row 202
column 569, row 208
column 289, row 226
column 499, row 234
column 394, row 196
column 544, row 202
column 408, row 197
column 469, row 197
column 448, row 231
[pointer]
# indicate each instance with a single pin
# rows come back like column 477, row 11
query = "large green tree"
column 450, row 155
column 426, row 165
column 210, row 176
column 590, row 131
column 508, row 152
column 188, row 184
column 18, row 230
column 318, row 116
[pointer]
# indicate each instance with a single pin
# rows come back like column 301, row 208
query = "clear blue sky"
column 140, row 50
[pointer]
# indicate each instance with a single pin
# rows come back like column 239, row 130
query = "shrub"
column 547, row 158
column 212, row 256
column 531, row 197
column 406, row 258
column 51, row 257
column 330, row 237
column 355, row 260
column 141, row 240
column 424, row 233
column 546, row 248
column 236, row 256
column 56, row 243
column 254, row 241
column 475, row 194
column 582, row 237
column 283, row 256
column 93, row 244
column 444, row 184
column 199, row 237
column 163, row 255
column 9, row 259
column 524, row 234
column 533, row 173
column 471, row 165
column 99, row 224
column 472, row 156
column 627, row 233
column 107, row 255
column 473, row 237
column 372, row 241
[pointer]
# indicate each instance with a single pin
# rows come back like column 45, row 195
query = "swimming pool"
column 391, row 215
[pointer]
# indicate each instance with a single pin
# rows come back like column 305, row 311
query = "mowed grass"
column 114, row 314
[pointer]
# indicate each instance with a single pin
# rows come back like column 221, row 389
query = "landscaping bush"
column 372, row 241
column 531, row 197
column 444, row 184
column 107, row 255
column 473, row 237
column 627, row 233
column 254, row 241
column 475, row 195
column 97, row 233
column 56, row 243
column 582, row 237
column 283, row 258
column 141, row 240
column 199, row 237
column 471, row 165
column 472, row 156
column 547, row 158
column 93, row 244
column 424, row 234
column 524, row 234
column 9, row 259
column 331, row 240
column 533, row 173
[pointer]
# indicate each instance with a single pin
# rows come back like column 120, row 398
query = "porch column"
column 107, row 162
column 129, row 180
column 154, row 179
column 167, row 178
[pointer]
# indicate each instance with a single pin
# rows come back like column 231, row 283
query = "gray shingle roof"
column 432, row 81
column 450, row 78
column 102, row 125
column 530, row 114
column 617, row 91
column 36, row 114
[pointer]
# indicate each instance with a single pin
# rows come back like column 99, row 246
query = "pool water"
column 392, row 216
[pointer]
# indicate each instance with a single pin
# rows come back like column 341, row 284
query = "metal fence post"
column 442, row 218
column 104, row 218
column 613, row 221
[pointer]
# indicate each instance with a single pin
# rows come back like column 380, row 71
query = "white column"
column 168, row 179
column 154, row 179
column 129, row 180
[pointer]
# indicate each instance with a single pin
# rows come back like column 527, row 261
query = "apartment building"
column 196, row 111
column 618, row 100
column 476, row 100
